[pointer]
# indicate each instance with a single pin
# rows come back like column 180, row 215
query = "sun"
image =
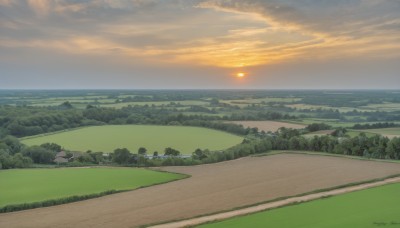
column 240, row 75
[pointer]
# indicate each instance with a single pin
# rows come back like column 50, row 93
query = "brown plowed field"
column 268, row 125
column 211, row 188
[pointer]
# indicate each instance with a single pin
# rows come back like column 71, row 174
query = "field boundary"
column 276, row 152
column 280, row 202
column 76, row 198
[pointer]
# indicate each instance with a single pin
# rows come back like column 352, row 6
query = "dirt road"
column 271, row 205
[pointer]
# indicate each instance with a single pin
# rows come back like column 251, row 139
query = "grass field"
column 268, row 125
column 389, row 132
column 35, row 185
column 368, row 208
column 153, row 138
column 332, row 122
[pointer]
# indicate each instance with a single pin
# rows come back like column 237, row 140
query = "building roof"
column 60, row 160
column 61, row 154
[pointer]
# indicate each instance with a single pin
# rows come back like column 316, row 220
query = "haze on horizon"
column 200, row 44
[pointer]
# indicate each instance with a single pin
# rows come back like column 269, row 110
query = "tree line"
column 15, row 155
column 27, row 121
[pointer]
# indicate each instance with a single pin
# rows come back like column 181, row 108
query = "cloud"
column 223, row 33
column 341, row 27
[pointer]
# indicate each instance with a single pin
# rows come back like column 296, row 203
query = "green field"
column 35, row 185
column 374, row 207
column 153, row 138
column 389, row 132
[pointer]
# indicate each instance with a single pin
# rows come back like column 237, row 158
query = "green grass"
column 368, row 208
column 35, row 185
column 331, row 122
column 153, row 138
column 389, row 132
column 384, row 131
column 384, row 107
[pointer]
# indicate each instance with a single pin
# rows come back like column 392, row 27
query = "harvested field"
column 268, row 125
column 387, row 200
column 211, row 188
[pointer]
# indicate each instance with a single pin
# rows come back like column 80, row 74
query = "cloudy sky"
column 138, row 44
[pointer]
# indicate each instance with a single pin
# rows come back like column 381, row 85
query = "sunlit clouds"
column 214, row 35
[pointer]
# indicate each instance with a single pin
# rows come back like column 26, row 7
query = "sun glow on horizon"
column 240, row 75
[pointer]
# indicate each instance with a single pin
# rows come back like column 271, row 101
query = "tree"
column 121, row 156
column 66, row 105
column 85, row 158
column 318, row 127
column 21, row 161
column 142, row 151
column 171, row 152
column 393, row 149
column 200, row 154
column 5, row 159
column 155, row 154
column 13, row 144
column 39, row 154
column 52, row 146
column 97, row 157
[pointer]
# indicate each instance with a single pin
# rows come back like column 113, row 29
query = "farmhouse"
column 62, row 157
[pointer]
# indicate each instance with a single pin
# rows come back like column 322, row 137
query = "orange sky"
column 199, row 43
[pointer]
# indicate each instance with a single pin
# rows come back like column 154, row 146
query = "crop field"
column 153, row 138
column 388, row 132
column 36, row 185
column 384, row 107
column 326, row 107
column 211, row 188
column 268, row 125
column 367, row 208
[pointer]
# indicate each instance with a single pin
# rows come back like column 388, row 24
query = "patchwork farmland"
column 356, row 209
column 211, row 188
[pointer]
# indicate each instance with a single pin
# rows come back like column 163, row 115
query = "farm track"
column 275, row 204
column 212, row 188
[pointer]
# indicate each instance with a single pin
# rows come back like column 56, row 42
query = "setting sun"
column 240, row 75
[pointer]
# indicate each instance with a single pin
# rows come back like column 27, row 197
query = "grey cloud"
column 339, row 17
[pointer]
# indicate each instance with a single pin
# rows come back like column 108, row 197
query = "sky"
column 199, row 44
